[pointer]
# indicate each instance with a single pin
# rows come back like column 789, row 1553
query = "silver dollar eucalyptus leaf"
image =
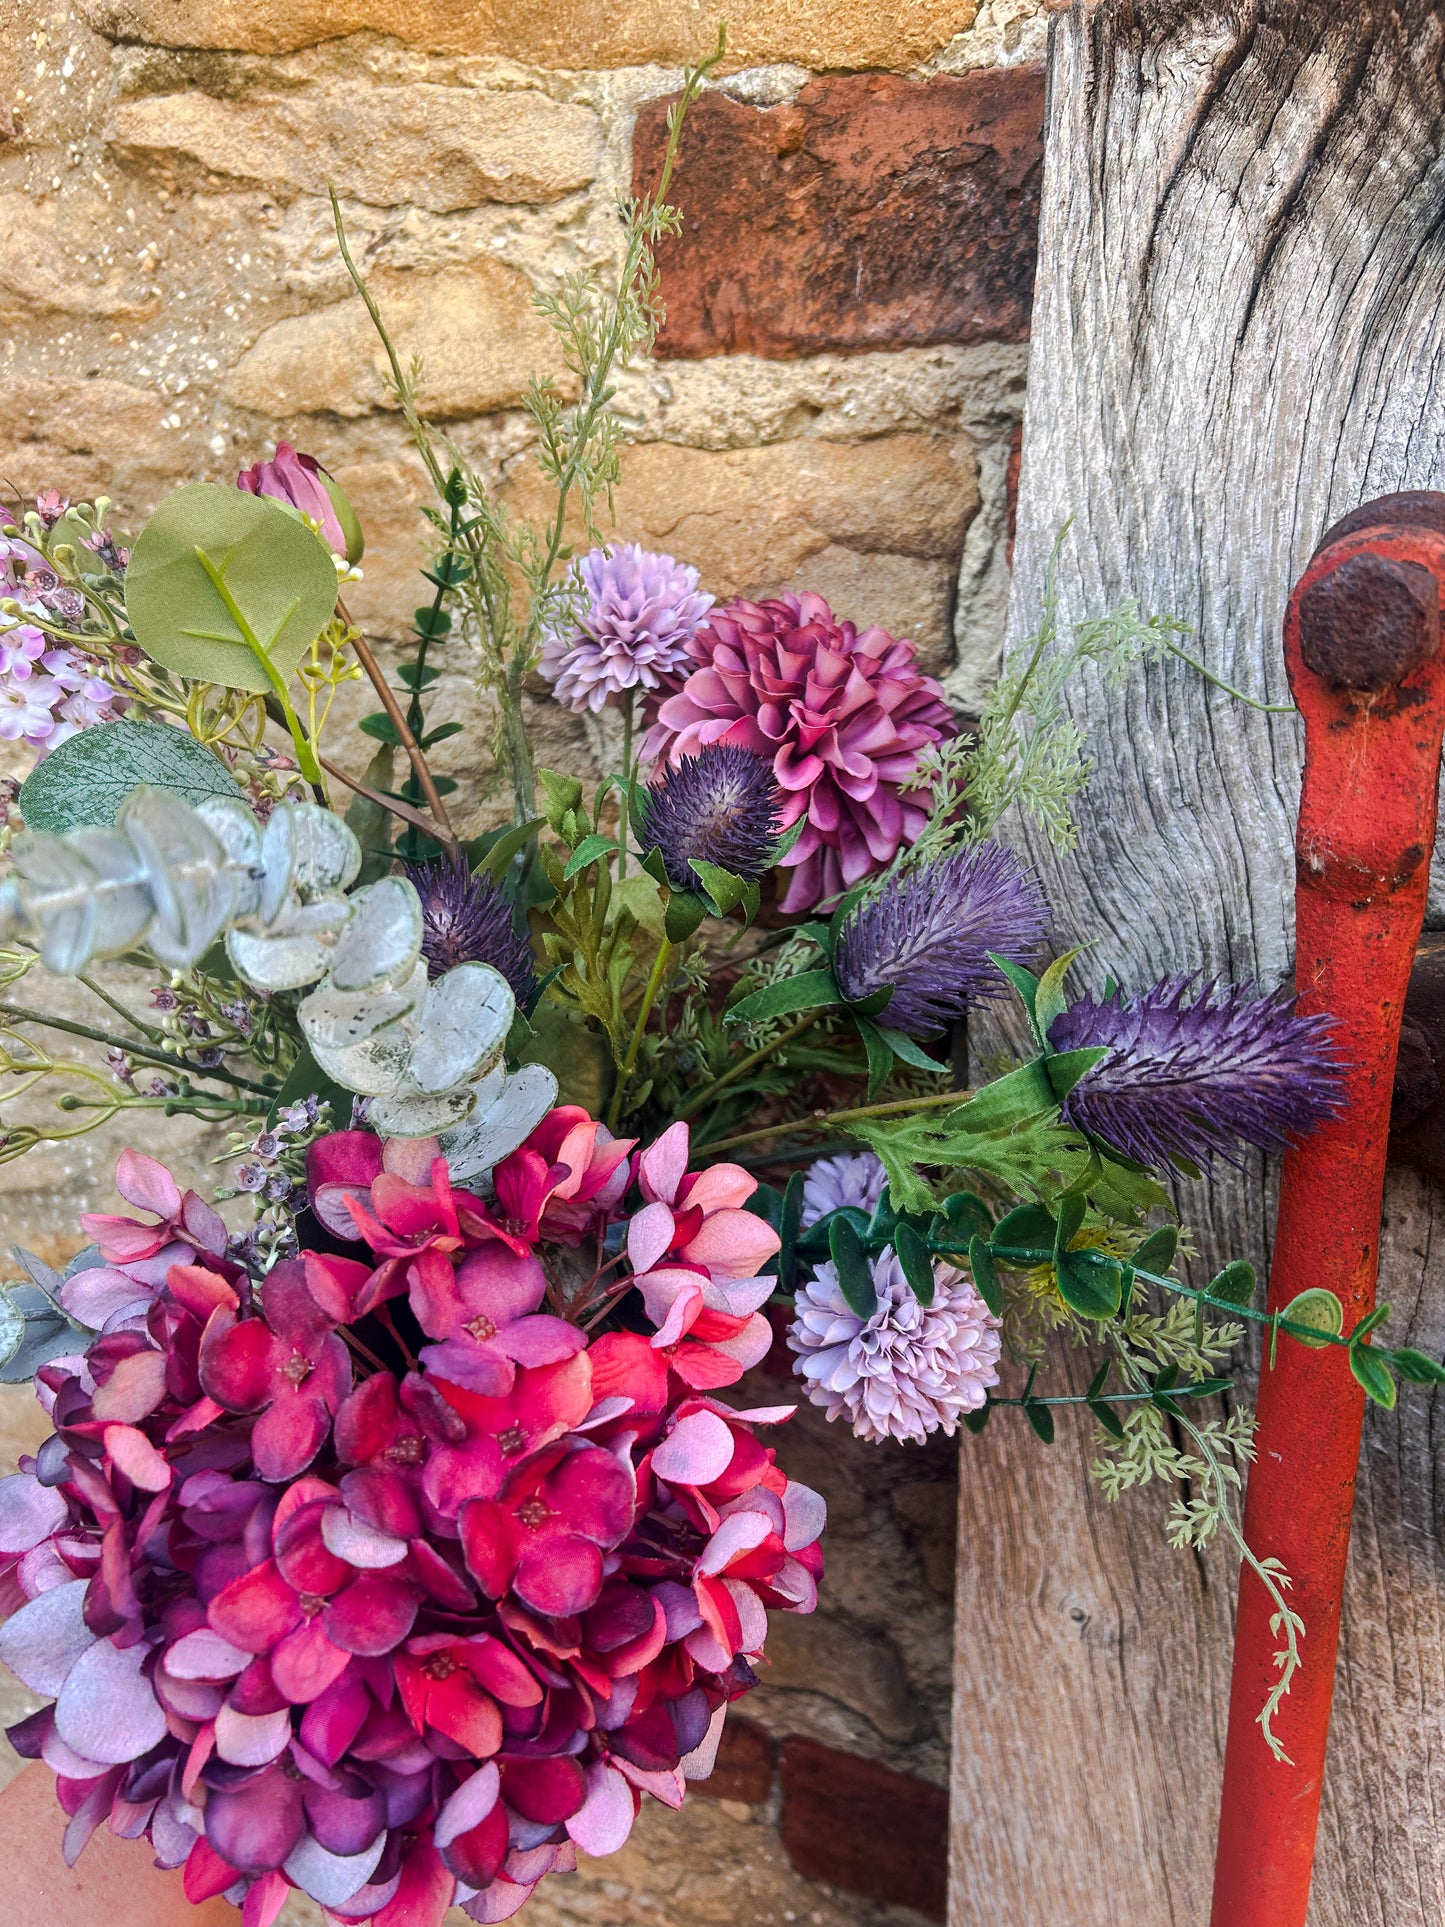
column 507, row 1108
column 278, row 860
column 464, row 1022
column 190, row 881
column 62, row 895
column 12, row 1326
column 124, row 900
column 410, row 1112
column 277, row 963
column 335, row 1019
column 381, row 943
column 239, row 834
column 326, row 856
column 374, row 1066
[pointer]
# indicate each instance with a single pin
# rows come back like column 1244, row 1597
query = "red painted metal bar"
column 1362, row 644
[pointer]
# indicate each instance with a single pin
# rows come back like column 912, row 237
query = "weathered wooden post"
column 1237, row 339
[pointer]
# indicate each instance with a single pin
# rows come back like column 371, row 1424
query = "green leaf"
column 752, row 902
column 82, row 783
column 855, row 1278
column 985, row 1278
column 1099, row 1380
column 441, row 734
column 1028, row 1227
column 370, row 823
column 786, row 841
column 917, row 1266
column 1237, row 1283
column 788, row 1232
column 1108, row 1418
column 810, row 990
column 725, row 889
column 977, row 1419
column 967, row 1213
column 380, row 728
column 1049, row 999
column 880, row 1058
column 1066, row 1067
column 216, row 569
column 1071, row 1218
column 1369, row 1322
column 1156, row 1253
column 499, row 847
column 1374, row 1374
column 822, row 935
column 1041, row 1418
column 683, row 915
column 430, row 622
column 903, row 1047
column 1091, row 1287
column 563, row 795
column 1418, row 1367
column 1321, row 1311
column 1023, row 981
column 657, row 869
column 587, row 852
column 351, row 530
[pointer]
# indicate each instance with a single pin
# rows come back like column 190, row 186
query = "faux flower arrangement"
column 393, row 1544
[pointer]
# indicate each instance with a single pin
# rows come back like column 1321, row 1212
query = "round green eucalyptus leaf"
column 82, row 784
column 274, row 571
column 1319, row 1309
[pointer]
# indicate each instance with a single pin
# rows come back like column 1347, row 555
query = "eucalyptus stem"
column 696, row 1099
column 824, row 1120
column 23, row 1016
column 644, row 1011
column 421, row 769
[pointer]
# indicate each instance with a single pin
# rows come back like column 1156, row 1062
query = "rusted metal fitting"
column 1370, row 623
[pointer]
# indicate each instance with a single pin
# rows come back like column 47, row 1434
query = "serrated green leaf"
column 563, row 795
column 1236, row 1284
column 215, row 565
column 789, row 997
column 1049, row 999
column 1088, row 1286
column 1065, row 1068
column 725, row 889
column 587, row 852
column 1156, row 1253
column 1041, row 1418
column 1374, row 1375
column 1418, row 1367
column 1318, row 1309
column 855, row 1277
column 917, row 1266
column 985, row 1278
column 904, row 1048
column 82, row 783
column 683, row 915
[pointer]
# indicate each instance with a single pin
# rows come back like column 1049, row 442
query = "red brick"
column 745, row 1762
column 865, row 1828
column 869, row 212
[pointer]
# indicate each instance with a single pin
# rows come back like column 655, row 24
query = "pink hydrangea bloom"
column 842, row 717
column 407, row 1637
column 907, row 1370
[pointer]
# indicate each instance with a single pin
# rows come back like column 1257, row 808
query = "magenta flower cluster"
column 403, row 1638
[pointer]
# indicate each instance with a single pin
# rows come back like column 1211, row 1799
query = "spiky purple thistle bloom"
column 1191, row 1080
column 928, row 933
column 639, row 614
column 721, row 806
column 466, row 919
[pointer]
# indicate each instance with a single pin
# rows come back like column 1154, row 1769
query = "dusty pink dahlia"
column 842, row 717
column 906, row 1371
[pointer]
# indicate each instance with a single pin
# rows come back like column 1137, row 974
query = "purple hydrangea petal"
column 331, row 1878
column 29, row 1512
column 1192, row 1071
column 927, row 935
column 46, row 1637
column 107, row 1709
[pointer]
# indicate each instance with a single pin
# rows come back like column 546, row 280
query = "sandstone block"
column 864, row 1827
column 441, row 148
column 559, row 33
column 475, row 329
column 869, row 212
column 858, row 1667
column 746, row 1760
column 86, row 438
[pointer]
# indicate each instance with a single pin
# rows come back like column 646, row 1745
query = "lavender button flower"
column 466, row 919
column 908, row 1370
column 638, row 612
column 721, row 806
column 1190, row 1080
column 927, row 935
column 854, row 1178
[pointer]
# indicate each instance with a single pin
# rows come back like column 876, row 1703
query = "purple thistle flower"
column 927, row 935
column 1188, row 1081
column 721, row 806
column 640, row 612
column 466, row 919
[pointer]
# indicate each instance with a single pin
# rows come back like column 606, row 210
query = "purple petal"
column 499, row 1902
column 96, row 1296
column 697, row 1451
column 469, row 1805
column 42, row 1642
column 29, row 1512
column 107, row 1710
column 256, row 1825
column 603, row 1822
column 205, row 1655
column 87, row 1817
column 252, row 1739
column 359, row 1544
column 806, row 1513
column 345, row 1822
column 331, row 1878
column 542, row 1340
column 476, row 1368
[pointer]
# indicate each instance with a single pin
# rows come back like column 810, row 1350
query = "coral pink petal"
column 306, row 1663
column 563, row 1576
column 256, row 1610
column 469, row 1805
column 648, row 1235
column 722, row 1187
column 661, row 1166
column 373, row 1614
column 739, row 1533
column 425, row 1892
column 132, row 1453
column 735, row 1243
column 540, row 1340
column 134, row 1389
column 502, row 1900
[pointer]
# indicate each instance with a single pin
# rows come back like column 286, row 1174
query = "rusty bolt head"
column 1370, row 623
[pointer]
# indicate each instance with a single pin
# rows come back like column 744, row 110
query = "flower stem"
column 825, row 1120
column 644, row 1011
column 119, row 1008
column 1266, row 709
column 625, row 792
column 23, row 1016
column 696, row 1099
column 420, row 767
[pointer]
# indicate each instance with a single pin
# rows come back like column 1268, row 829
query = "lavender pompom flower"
column 854, row 1178
column 927, row 934
column 721, row 806
column 1190, row 1080
column 466, row 919
column 906, row 1371
column 639, row 612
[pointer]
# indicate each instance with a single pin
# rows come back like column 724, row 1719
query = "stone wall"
column 834, row 405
